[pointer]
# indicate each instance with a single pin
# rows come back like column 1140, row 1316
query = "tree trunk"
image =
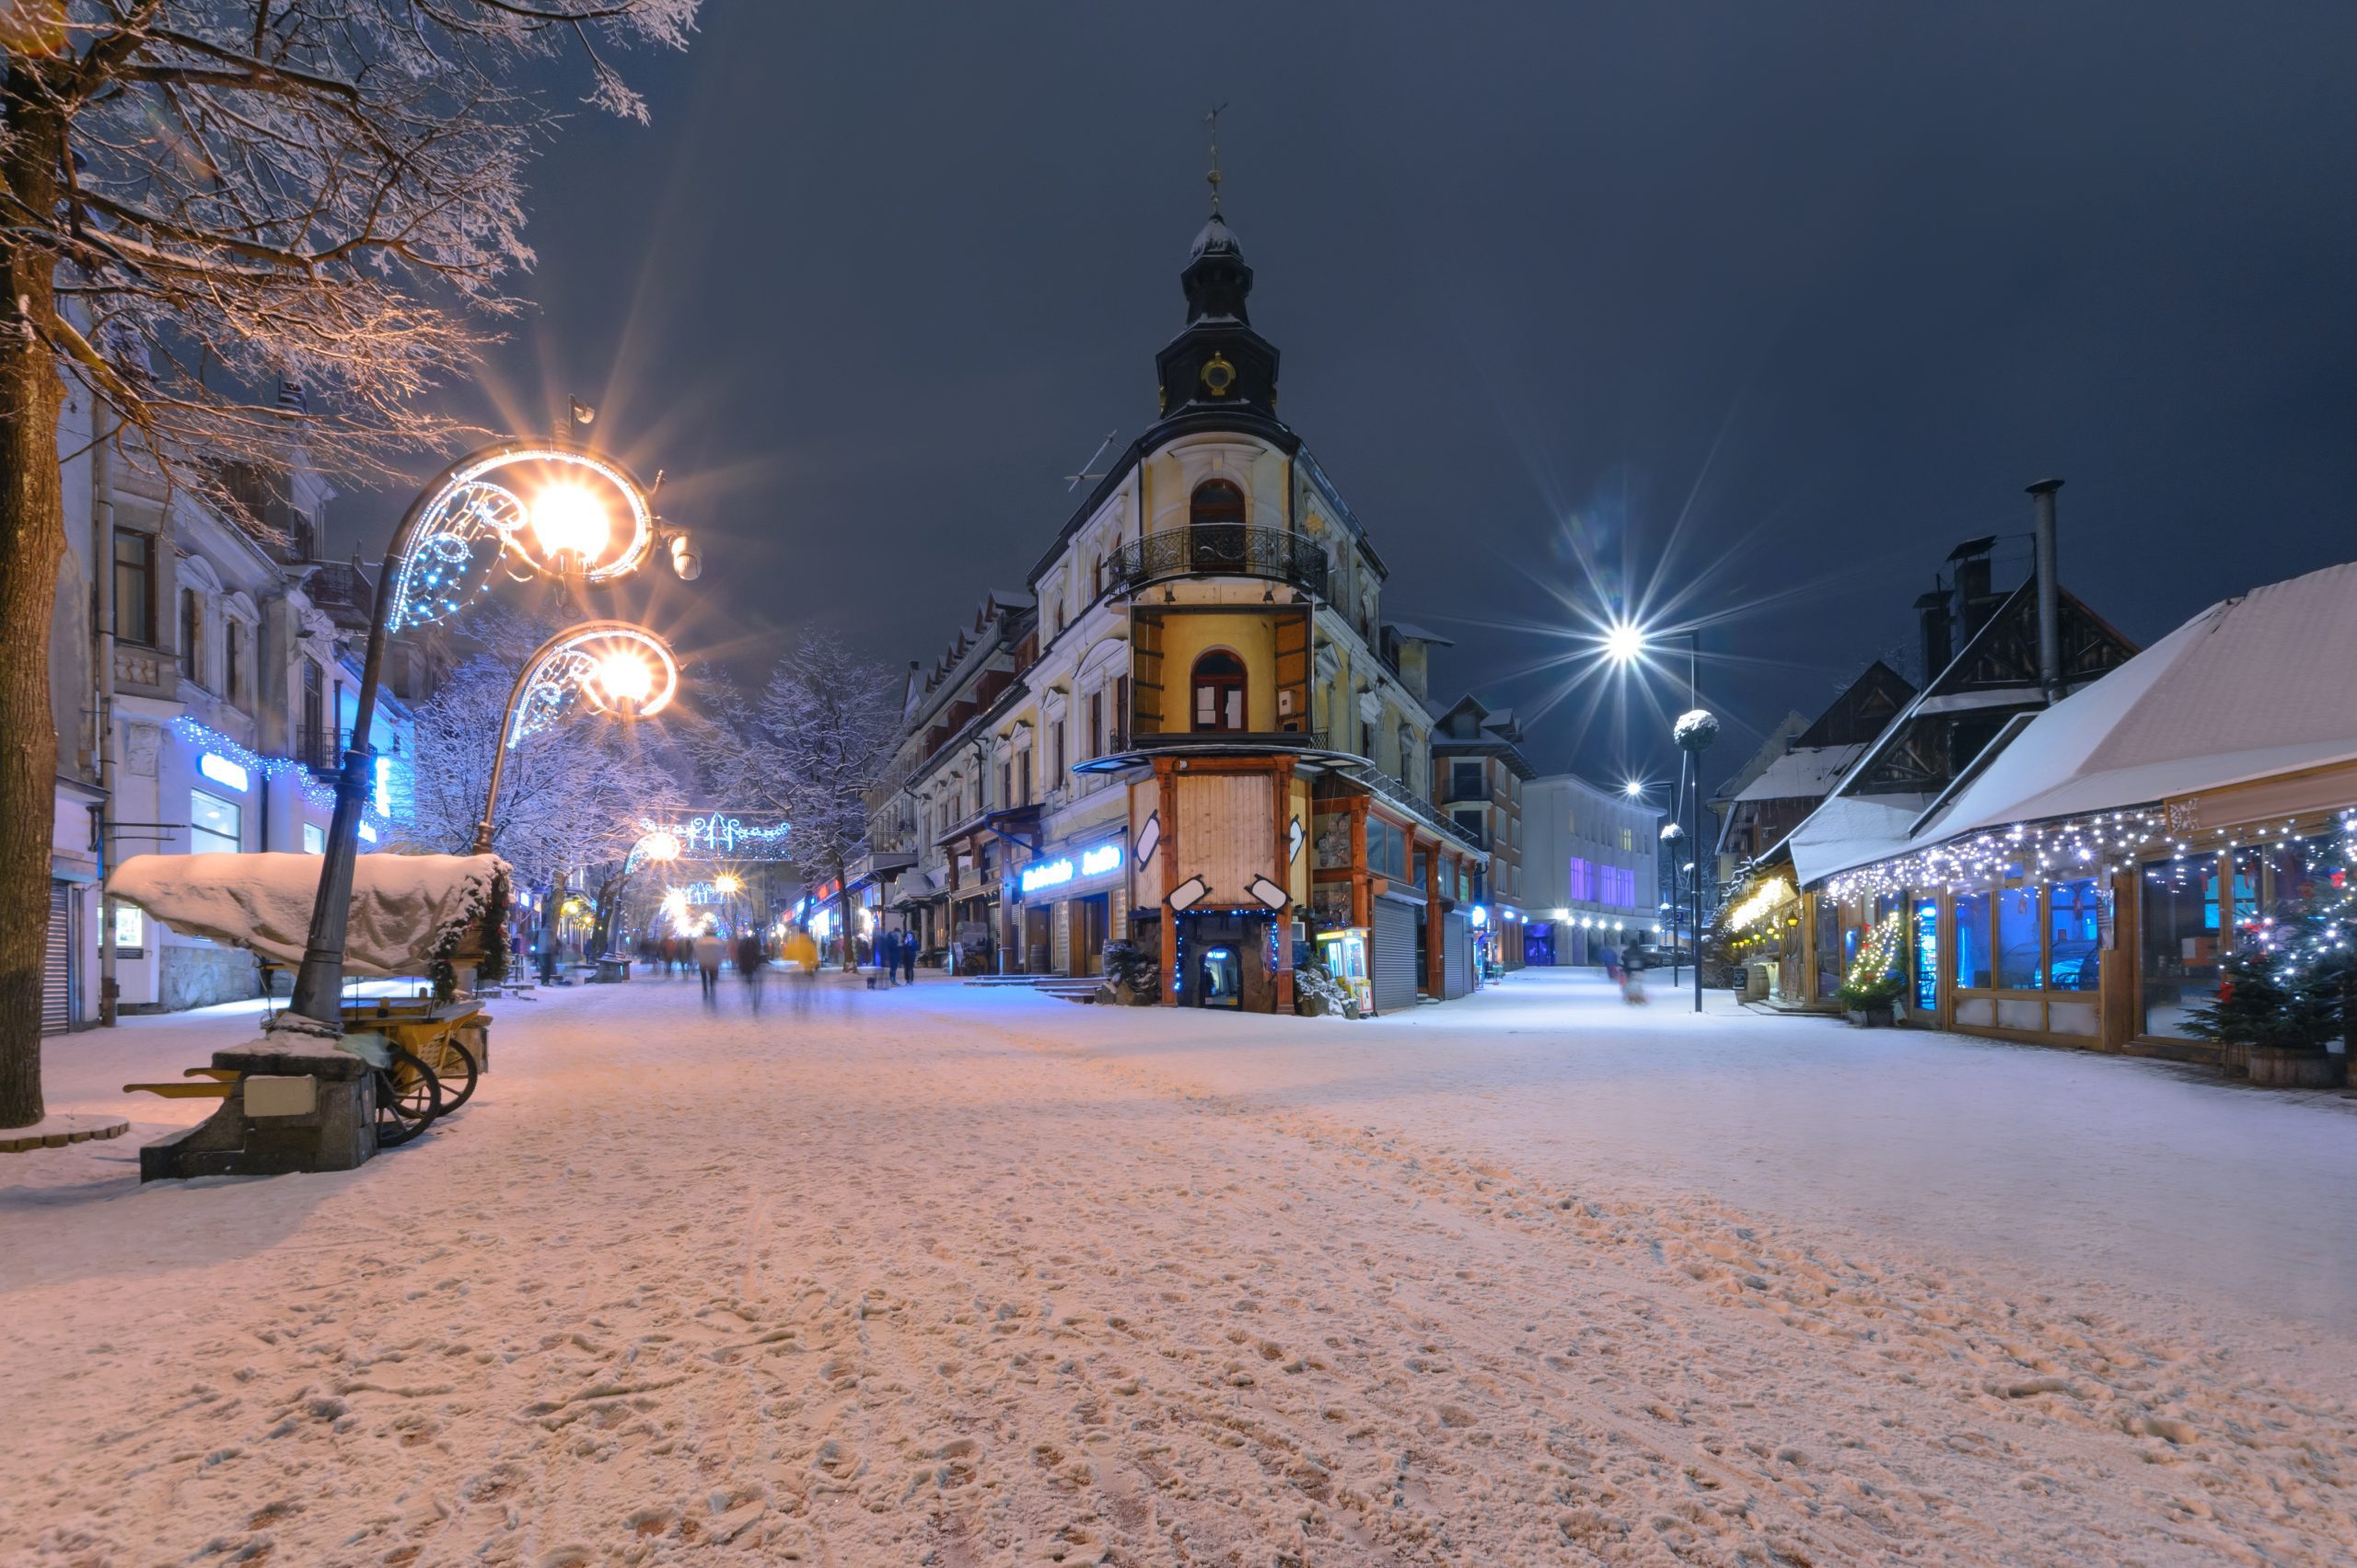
column 33, row 542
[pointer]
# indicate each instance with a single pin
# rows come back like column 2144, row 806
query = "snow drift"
column 405, row 908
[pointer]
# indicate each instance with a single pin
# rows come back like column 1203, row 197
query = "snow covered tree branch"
column 202, row 202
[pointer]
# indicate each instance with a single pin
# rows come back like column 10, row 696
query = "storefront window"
column 2017, row 961
column 2075, row 937
column 2177, row 917
column 1972, row 969
column 212, row 825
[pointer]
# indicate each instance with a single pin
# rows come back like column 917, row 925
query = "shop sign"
column 1057, row 872
column 220, row 770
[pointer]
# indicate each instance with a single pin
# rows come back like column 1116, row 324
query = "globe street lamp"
column 613, row 664
column 1627, row 643
column 469, row 519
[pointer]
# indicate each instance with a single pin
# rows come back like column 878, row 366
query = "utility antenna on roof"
column 1071, row 479
column 1211, row 120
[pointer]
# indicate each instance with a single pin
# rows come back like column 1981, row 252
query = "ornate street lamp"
column 544, row 508
column 613, row 666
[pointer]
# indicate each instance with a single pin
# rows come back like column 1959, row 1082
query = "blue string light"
column 207, row 738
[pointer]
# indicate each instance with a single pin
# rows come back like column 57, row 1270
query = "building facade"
column 201, row 697
column 1194, row 731
column 1478, row 773
column 1591, row 861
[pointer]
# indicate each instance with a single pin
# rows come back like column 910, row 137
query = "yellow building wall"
column 1187, row 637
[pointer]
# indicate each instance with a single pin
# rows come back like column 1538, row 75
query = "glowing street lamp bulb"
column 1633, row 788
column 1624, row 641
column 570, row 521
column 624, row 677
column 726, row 883
column 663, row 846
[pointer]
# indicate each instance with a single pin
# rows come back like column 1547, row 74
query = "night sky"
column 1762, row 305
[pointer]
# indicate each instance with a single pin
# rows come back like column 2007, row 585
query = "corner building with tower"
column 1195, row 731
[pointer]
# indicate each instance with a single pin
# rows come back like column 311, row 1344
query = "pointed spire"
column 1211, row 120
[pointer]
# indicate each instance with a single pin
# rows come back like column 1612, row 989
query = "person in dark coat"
column 752, row 964
column 909, row 957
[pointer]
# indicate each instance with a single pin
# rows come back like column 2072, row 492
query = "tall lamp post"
column 1626, row 643
column 469, row 518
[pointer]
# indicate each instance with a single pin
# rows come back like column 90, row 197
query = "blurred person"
column 708, row 954
column 752, row 966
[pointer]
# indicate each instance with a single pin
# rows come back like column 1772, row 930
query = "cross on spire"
column 1211, row 120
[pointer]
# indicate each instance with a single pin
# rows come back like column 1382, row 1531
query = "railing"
column 1220, row 550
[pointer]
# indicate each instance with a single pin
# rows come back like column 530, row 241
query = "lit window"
column 315, row 839
column 214, row 825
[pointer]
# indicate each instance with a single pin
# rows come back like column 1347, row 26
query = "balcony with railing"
column 1220, row 550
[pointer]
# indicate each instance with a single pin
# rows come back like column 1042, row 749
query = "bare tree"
column 810, row 748
column 198, row 197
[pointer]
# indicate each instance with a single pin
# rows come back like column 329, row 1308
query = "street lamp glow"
column 1624, row 641
column 1633, row 788
column 568, row 520
column 660, row 846
column 729, row 882
column 626, row 677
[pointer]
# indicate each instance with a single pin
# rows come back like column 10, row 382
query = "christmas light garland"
column 321, row 796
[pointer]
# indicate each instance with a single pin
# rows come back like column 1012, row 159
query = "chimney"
column 2049, row 595
column 1973, row 599
column 1939, row 641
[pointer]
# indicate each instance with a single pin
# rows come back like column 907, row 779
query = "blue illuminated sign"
column 1056, row 872
column 220, row 770
column 1927, row 954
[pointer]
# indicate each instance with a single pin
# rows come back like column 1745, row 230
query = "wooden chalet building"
column 1985, row 647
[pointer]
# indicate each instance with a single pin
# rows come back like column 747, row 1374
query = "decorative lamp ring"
column 578, row 664
column 467, row 519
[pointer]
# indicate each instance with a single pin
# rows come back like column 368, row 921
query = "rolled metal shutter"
column 1392, row 965
column 1457, row 955
column 57, row 962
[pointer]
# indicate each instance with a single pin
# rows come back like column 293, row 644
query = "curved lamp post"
column 613, row 664
column 544, row 508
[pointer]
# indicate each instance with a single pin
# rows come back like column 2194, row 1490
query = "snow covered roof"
column 1806, row 773
column 402, row 905
column 1851, row 830
column 2252, row 686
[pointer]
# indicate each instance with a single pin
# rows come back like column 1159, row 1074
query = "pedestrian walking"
column 751, row 963
column 708, row 954
column 887, row 956
column 1633, row 983
column 909, row 957
column 802, row 953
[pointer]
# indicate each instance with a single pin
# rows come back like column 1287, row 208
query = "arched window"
column 1215, row 535
column 1219, row 690
column 1214, row 503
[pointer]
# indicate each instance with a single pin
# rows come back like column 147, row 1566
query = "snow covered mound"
column 402, row 905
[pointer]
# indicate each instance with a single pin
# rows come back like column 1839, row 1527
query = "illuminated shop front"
column 1072, row 899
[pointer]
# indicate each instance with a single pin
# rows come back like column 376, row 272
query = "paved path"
column 948, row 1277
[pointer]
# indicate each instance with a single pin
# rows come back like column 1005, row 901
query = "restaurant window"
column 2018, row 968
column 1973, row 970
column 212, row 825
column 2073, row 936
column 2177, row 930
column 1926, row 955
column 1218, row 683
column 1830, row 967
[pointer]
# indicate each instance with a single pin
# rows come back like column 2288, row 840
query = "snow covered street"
column 956, row 1277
